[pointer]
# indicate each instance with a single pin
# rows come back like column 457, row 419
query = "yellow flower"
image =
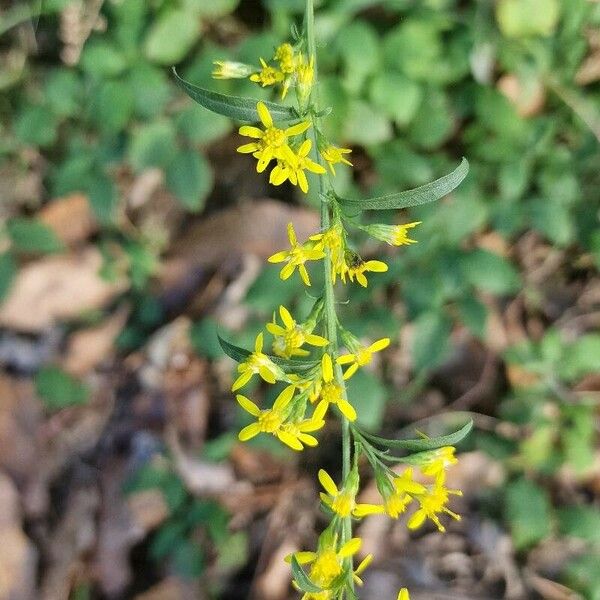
column 301, row 430
column 396, row 501
column 358, row 267
column 260, row 363
column 267, row 75
column 394, row 235
column 305, row 75
column 294, row 170
column 328, row 563
column 341, row 502
column 432, row 503
column 331, row 392
column 334, row 240
column 272, row 142
column 227, row 69
column 284, row 55
column 296, row 256
column 270, row 420
column 334, row 155
column 403, row 594
column 438, row 461
column 362, row 356
column 290, row 338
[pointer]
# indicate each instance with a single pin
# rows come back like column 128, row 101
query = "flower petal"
column 298, row 128
column 328, row 483
column 249, row 131
column 379, row 345
column 347, row 409
column 248, row 405
column 289, row 440
column 264, row 115
column 249, row 432
column 350, row 547
column 327, row 368
column 286, row 317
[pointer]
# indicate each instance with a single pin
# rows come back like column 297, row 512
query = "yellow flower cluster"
column 327, row 564
column 273, row 143
column 432, row 498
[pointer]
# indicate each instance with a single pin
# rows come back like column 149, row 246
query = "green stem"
column 330, row 316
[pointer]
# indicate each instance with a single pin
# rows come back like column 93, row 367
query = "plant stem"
column 331, row 322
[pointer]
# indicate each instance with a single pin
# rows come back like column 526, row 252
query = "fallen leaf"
column 87, row 348
column 71, row 218
column 57, row 288
column 18, row 556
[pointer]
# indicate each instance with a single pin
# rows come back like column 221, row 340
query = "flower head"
column 305, row 75
column 272, row 142
column 356, row 267
column 433, row 503
column 396, row 497
column 394, row 235
column 294, row 170
column 331, row 392
column 267, row 75
column 334, row 155
column 361, row 356
column 284, row 55
column 227, row 69
column 342, row 502
column 437, row 461
column 257, row 363
column 296, row 256
column 328, row 562
column 272, row 420
column 291, row 336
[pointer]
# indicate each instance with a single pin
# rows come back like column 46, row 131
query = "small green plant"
column 315, row 357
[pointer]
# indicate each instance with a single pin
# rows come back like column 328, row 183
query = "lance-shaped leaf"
column 422, row 195
column 422, row 444
column 241, row 354
column 235, row 107
column 302, row 579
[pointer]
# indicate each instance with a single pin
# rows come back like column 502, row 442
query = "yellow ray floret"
column 403, row 594
column 272, row 142
column 296, row 256
column 361, row 356
column 290, row 337
column 257, row 363
column 334, row 155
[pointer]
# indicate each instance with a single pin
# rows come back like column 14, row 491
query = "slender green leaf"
column 235, row 107
column 422, row 444
column 421, row 195
column 302, row 579
column 241, row 354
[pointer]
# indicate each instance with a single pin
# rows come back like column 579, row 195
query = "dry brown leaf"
column 17, row 554
column 56, row 288
column 528, row 99
column 87, row 348
column 71, row 218
column 148, row 508
column 20, row 418
column 258, row 227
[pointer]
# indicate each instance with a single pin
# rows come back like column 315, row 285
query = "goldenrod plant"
column 313, row 358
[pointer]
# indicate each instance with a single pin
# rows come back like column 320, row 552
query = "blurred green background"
column 495, row 312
